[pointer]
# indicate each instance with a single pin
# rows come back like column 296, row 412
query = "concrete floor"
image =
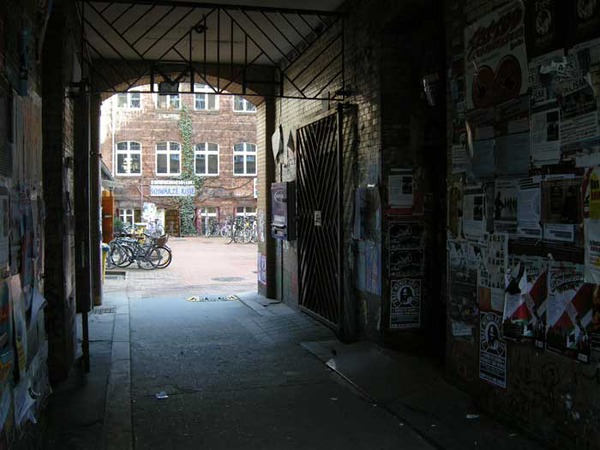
column 170, row 371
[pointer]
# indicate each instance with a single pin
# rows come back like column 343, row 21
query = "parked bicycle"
column 149, row 254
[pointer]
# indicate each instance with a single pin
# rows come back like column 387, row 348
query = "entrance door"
column 318, row 192
column 172, row 222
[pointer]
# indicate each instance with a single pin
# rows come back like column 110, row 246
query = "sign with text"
column 172, row 188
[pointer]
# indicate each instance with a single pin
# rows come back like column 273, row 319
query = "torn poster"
column 405, row 305
column 481, row 142
column 525, row 299
column 544, row 75
column 401, row 188
column 493, row 272
column 492, row 349
column 529, row 208
column 512, row 137
column 569, row 311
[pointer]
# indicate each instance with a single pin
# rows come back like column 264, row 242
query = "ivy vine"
column 187, row 209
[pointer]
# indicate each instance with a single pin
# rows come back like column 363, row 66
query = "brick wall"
column 150, row 125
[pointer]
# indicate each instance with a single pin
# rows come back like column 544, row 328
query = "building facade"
column 142, row 143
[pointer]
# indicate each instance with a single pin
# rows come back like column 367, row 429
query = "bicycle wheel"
column 119, row 256
column 149, row 259
column 225, row 231
column 165, row 257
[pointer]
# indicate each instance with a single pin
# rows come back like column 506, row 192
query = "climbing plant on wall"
column 187, row 208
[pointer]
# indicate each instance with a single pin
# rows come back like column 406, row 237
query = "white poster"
column 545, row 137
column 495, row 57
column 529, row 207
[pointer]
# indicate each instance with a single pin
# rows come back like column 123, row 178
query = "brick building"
column 142, row 145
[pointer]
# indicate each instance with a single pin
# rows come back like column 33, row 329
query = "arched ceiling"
column 246, row 42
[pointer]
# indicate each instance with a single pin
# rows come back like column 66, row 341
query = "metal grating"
column 128, row 43
column 319, row 220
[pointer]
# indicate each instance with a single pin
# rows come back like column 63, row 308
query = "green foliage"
column 187, row 208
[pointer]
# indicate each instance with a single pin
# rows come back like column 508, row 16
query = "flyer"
column 474, row 212
column 545, row 137
column 561, row 197
column 405, row 305
column 569, row 311
column 492, row 349
column 505, row 206
column 524, row 305
column 406, row 245
column 591, row 224
column 462, row 306
column 544, row 75
column 545, row 25
column 493, row 273
column 496, row 57
column 401, row 188
column 529, row 208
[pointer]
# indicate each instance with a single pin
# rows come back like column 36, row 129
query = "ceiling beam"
column 202, row 5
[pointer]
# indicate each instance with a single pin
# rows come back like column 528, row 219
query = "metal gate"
column 319, row 226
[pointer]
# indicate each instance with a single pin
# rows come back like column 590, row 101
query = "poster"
column 545, row 72
column 6, row 349
column 406, row 244
column 505, row 206
column 512, row 136
column 586, row 17
column 463, row 309
column 591, row 223
column 569, row 311
column 492, row 349
column 529, row 208
column 545, row 25
column 545, row 137
column 561, row 197
column 493, row 273
column 262, row 268
column 401, row 188
column 481, row 142
column 474, row 212
column 4, row 228
column 525, row 301
column 405, row 304
column 496, row 57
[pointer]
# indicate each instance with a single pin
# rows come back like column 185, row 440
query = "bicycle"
column 164, row 251
column 125, row 250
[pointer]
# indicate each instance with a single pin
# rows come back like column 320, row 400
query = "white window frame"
column 168, row 100
column 129, row 100
column 203, row 90
column 247, row 106
column 245, row 212
column 127, row 215
column 168, row 152
column 207, row 152
column 249, row 149
column 128, row 152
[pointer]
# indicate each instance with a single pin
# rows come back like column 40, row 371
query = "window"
column 129, row 158
column 168, row 101
column 240, row 104
column 245, row 211
column 130, row 216
column 168, row 158
column 205, row 99
column 244, row 159
column 206, row 159
column 129, row 100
